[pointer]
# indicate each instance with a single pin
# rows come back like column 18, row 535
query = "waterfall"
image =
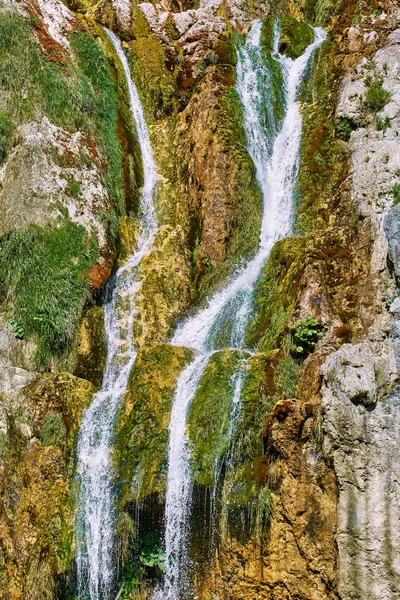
column 95, row 526
column 274, row 148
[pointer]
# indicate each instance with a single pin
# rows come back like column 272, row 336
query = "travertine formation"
column 315, row 515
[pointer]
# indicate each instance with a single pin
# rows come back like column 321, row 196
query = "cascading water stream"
column 274, row 148
column 95, row 526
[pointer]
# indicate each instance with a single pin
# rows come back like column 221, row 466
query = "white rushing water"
column 95, row 561
column 274, row 148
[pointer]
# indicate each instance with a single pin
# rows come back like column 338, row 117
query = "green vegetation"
column 144, row 560
column 322, row 155
column 44, row 272
column 18, row 330
column 286, row 376
column 99, row 92
column 382, row 124
column 142, row 429
column 275, row 294
column 295, row 37
column 376, row 97
column 396, row 194
column 210, row 416
column 344, row 128
column 80, row 97
column 305, row 335
column 6, row 134
column 53, row 432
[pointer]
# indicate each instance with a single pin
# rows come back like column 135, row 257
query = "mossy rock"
column 91, row 352
column 295, row 37
column 210, row 425
column 166, row 290
column 156, row 84
column 142, row 428
column 323, row 160
column 275, row 294
column 38, row 488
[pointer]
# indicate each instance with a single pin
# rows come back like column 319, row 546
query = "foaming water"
column 95, row 527
column 274, row 147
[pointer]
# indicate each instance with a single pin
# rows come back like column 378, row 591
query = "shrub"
column 376, row 96
column 344, row 128
column 53, row 432
column 44, row 272
column 305, row 335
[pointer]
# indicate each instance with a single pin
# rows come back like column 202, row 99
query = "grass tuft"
column 44, row 273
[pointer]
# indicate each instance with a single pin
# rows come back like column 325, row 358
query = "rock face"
column 361, row 400
column 360, row 393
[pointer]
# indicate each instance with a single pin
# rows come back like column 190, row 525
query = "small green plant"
column 305, row 335
column 356, row 18
column 17, row 329
column 376, row 96
column 53, row 432
column 179, row 59
column 201, row 65
column 396, row 194
column 74, row 189
column 212, row 58
column 382, row 124
column 344, row 129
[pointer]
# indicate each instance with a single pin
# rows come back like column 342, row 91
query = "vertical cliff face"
column 360, row 381
column 295, row 495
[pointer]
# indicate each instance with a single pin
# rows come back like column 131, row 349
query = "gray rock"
column 365, row 442
column 391, row 225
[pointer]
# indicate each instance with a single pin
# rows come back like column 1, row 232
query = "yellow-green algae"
column 38, row 491
column 142, row 427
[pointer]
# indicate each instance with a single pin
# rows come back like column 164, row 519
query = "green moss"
column 210, row 416
column 295, row 37
column 245, row 226
column 44, row 272
column 142, row 429
column 286, row 376
column 53, row 432
column 257, row 402
column 103, row 99
column 6, row 135
column 78, row 97
column 322, row 156
column 275, row 294
column 156, row 84
column 273, row 74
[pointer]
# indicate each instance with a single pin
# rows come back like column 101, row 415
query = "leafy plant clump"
column 145, row 562
column 344, row 129
column 305, row 335
column 44, row 273
column 18, row 330
column 376, row 96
